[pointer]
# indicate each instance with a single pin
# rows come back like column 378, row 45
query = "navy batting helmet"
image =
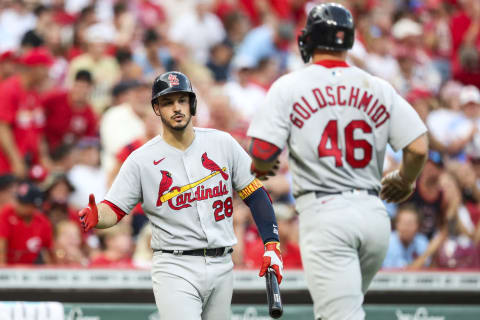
column 329, row 27
column 174, row 81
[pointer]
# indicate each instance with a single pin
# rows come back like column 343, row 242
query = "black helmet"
column 329, row 27
column 174, row 81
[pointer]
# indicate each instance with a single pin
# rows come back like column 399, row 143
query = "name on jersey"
column 340, row 97
column 183, row 200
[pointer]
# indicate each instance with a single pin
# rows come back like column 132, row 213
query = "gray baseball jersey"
column 187, row 195
column 336, row 122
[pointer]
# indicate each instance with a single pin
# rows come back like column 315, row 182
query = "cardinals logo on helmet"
column 173, row 80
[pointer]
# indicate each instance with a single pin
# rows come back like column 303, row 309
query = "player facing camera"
column 173, row 100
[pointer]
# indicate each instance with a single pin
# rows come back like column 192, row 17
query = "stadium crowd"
column 75, row 81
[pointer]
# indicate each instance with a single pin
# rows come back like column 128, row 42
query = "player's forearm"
column 7, row 143
column 414, row 157
column 106, row 216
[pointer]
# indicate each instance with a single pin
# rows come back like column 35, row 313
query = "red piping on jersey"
column 332, row 63
column 119, row 212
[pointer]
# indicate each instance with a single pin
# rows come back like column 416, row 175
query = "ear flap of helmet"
column 303, row 45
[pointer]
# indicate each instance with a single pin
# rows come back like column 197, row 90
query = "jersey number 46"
column 331, row 133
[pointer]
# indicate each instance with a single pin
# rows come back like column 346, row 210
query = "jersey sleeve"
column 271, row 123
column 126, row 190
column 240, row 164
column 405, row 124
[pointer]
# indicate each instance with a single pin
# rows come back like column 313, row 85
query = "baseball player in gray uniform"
column 185, row 180
column 336, row 121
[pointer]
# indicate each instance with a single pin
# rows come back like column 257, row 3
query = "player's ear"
column 156, row 107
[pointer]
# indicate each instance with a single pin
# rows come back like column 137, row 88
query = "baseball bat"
column 274, row 299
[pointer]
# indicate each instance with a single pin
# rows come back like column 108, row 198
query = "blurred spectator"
column 129, row 70
column 236, row 27
column 87, row 176
column 219, row 61
column 118, row 248
column 433, row 196
column 21, row 115
column 154, row 59
column 7, row 189
column 287, row 232
column 245, row 96
column 406, row 243
column 150, row 14
column 25, row 232
column 124, row 24
column 57, row 190
column 270, row 40
column 69, row 116
column 131, row 111
column 15, row 20
column 465, row 30
column 103, row 67
column 224, row 117
column 68, row 245
column 8, row 64
column 152, row 129
column 198, row 30
column 142, row 257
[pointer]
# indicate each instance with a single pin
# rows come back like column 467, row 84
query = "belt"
column 213, row 252
column 319, row 194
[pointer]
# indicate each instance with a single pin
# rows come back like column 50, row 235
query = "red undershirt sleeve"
column 119, row 212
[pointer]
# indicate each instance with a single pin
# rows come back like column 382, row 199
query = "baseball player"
column 336, row 121
column 185, row 180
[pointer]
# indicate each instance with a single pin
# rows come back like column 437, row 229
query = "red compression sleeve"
column 264, row 150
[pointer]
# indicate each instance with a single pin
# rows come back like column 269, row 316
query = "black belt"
column 213, row 252
column 319, row 194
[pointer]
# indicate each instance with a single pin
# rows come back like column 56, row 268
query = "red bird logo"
column 212, row 166
column 165, row 184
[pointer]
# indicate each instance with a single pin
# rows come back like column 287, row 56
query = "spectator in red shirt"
column 25, row 232
column 288, row 233
column 8, row 64
column 21, row 115
column 118, row 248
column 69, row 116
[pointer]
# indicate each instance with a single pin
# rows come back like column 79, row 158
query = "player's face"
column 174, row 110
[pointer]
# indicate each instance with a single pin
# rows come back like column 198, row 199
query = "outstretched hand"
column 89, row 215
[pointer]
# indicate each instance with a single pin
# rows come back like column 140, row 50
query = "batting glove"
column 272, row 259
column 89, row 215
column 395, row 189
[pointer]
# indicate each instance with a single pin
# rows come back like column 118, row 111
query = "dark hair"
column 123, row 56
column 84, row 75
column 40, row 9
column 150, row 36
column 119, row 8
column 31, row 39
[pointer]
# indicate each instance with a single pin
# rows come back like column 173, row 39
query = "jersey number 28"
column 331, row 133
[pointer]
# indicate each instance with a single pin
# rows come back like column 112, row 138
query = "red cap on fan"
column 37, row 57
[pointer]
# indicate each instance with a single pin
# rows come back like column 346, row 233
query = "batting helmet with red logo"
column 329, row 27
column 174, row 81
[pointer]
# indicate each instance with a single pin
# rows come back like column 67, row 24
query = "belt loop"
column 204, row 252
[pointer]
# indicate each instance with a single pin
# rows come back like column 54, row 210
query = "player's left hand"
column 89, row 215
column 273, row 259
column 395, row 189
